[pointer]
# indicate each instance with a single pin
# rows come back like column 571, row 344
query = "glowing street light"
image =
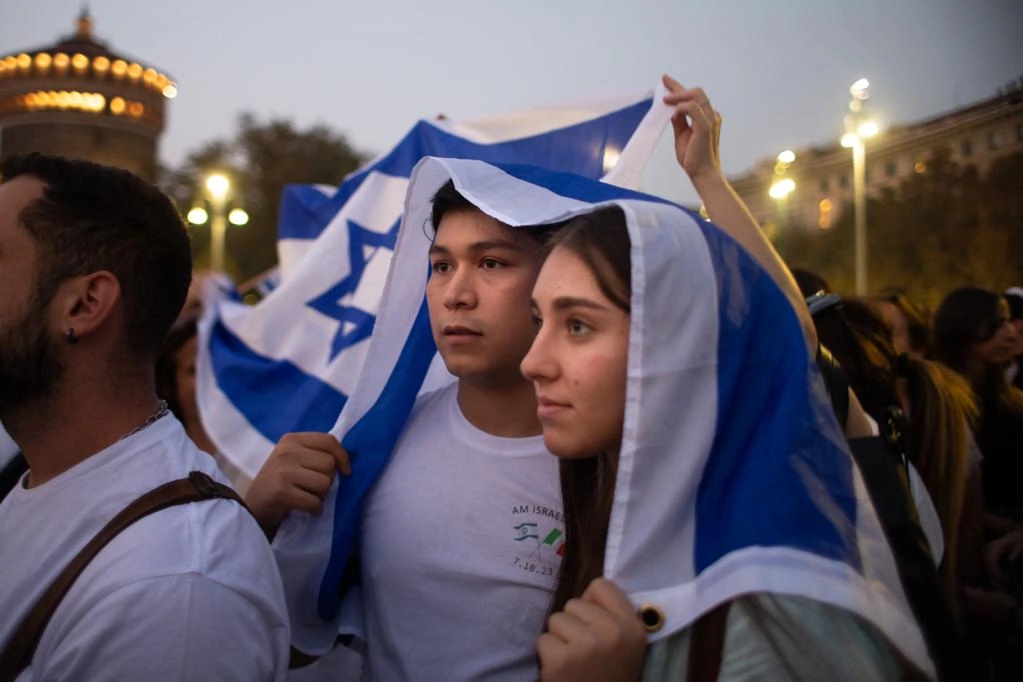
column 198, row 216
column 857, row 130
column 218, row 191
column 780, row 190
column 238, row 217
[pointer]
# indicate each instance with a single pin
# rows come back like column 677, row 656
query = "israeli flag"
column 290, row 362
column 734, row 477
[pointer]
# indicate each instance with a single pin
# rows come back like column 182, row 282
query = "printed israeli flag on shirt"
column 733, row 477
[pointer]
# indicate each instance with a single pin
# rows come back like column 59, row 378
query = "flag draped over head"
column 294, row 360
column 290, row 362
column 733, row 476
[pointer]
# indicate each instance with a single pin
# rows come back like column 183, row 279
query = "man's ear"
column 86, row 304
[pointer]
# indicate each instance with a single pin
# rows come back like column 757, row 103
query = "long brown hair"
column 941, row 412
column 601, row 240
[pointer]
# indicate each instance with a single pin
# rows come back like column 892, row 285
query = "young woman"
column 975, row 337
column 702, row 469
column 581, row 368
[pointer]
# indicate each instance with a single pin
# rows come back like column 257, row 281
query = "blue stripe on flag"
column 371, row 440
column 259, row 387
column 734, row 471
column 587, row 142
column 300, row 212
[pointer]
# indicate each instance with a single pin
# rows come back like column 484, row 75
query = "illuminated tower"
column 79, row 99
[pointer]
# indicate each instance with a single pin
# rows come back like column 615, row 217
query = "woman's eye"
column 491, row 264
column 537, row 321
column 577, row 327
column 439, row 267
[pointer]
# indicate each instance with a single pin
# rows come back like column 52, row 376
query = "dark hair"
column 1015, row 300
column 450, row 200
column 966, row 316
column 91, row 218
column 920, row 339
column 809, row 283
column 601, row 240
column 181, row 333
column 861, row 343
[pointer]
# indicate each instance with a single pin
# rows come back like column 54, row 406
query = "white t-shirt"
column 190, row 592
column 461, row 543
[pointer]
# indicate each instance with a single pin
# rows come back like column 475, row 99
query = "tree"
column 261, row 158
column 940, row 229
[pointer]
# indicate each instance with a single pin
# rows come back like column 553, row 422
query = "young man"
column 94, row 266
column 460, row 536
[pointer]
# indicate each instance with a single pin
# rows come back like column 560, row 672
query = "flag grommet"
column 652, row 617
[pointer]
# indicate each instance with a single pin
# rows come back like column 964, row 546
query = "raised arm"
column 697, row 128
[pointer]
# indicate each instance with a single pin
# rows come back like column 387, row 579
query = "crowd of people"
column 661, row 455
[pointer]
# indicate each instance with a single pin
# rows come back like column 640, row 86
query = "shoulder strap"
column 18, row 653
column 707, row 644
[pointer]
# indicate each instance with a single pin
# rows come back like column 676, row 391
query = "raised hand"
column 697, row 128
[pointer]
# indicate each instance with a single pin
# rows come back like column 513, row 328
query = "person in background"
column 175, row 383
column 910, row 329
column 1013, row 373
column 975, row 336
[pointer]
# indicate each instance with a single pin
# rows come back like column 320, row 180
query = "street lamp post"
column 217, row 186
column 780, row 190
column 857, row 129
column 218, row 191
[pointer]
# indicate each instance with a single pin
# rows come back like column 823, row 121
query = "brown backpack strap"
column 707, row 644
column 17, row 655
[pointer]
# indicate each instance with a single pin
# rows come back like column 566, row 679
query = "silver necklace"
column 160, row 412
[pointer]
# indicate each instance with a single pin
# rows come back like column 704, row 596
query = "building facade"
column 823, row 176
column 79, row 99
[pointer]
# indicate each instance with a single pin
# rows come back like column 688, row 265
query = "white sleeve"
column 178, row 627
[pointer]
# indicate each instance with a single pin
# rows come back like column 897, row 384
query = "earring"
column 70, row 336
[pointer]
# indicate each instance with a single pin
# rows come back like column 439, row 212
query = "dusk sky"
column 778, row 71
